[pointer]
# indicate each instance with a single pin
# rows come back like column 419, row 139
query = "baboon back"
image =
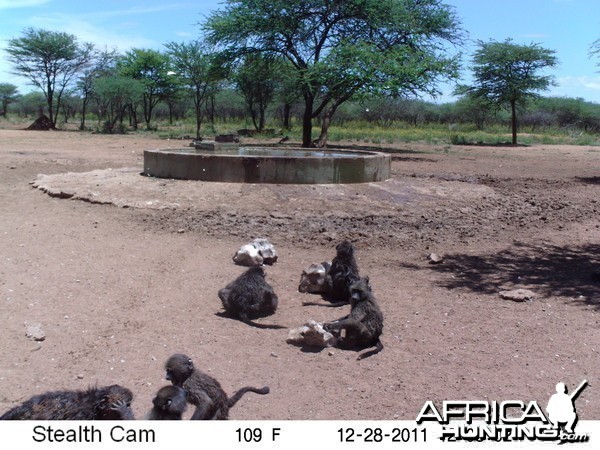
column 249, row 296
column 105, row 403
column 199, row 383
column 343, row 272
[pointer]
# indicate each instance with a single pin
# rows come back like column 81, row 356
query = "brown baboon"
column 169, row 404
column 249, row 296
column 103, row 403
column 342, row 273
column 203, row 391
column 364, row 325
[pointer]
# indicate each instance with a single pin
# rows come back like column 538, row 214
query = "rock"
column 258, row 252
column 35, row 332
column 434, row 258
column 311, row 333
column 517, row 295
column 248, row 255
column 313, row 279
column 266, row 250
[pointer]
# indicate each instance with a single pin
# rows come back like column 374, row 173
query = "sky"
column 568, row 27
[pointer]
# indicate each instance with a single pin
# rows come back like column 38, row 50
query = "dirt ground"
column 120, row 271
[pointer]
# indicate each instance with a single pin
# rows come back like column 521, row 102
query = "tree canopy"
column 50, row 60
column 343, row 49
column 194, row 65
column 153, row 69
column 508, row 74
column 8, row 94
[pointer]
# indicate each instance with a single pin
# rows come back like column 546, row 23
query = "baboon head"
column 114, row 403
column 179, row 367
column 345, row 250
column 170, row 400
column 360, row 290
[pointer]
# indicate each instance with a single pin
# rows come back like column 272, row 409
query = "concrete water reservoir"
column 280, row 165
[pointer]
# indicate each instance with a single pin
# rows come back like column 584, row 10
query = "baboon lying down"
column 103, row 403
column 249, row 296
column 202, row 390
column 364, row 325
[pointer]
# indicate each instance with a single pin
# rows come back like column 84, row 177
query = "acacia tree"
column 49, row 60
column 8, row 94
column 256, row 79
column 194, row 65
column 114, row 95
column 594, row 50
column 507, row 75
column 152, row 69
column 102, row 65
column 343, row 49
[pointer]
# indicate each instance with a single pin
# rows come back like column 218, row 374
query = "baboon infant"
column 364, row 325
column 249, row 296
column 203, row 391
column 342, row 273
column 103, row 403
column 169, row 404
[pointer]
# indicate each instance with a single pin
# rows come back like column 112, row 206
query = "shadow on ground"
column 572, row 271
column 588, row 180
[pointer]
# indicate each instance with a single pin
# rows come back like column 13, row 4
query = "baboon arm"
column 337, row 324
column 202, row 407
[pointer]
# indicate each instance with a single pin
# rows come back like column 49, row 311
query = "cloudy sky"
column 567, row 26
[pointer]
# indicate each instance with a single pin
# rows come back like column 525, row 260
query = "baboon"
column 342, row 273
column 95, row 403
column 203, row 391
column 364, row 325
column 169, row 404
column 249, row 296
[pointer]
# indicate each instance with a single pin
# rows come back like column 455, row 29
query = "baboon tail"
column 377, row 349
column 234, row 399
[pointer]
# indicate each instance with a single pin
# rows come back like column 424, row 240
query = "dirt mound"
column 42, row 123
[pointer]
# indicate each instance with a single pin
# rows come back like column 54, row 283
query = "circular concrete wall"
column 268, row 165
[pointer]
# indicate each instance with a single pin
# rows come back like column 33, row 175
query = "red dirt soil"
column 121, row 271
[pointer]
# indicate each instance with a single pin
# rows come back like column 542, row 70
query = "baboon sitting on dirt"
column 342, row 273
column 249, row 296
column 364, row 325
column 103, row 403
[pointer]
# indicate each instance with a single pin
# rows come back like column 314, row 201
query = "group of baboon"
column 250, row 296
column 189, row 385
column 247, row 297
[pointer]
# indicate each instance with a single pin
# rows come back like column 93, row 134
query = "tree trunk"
column 198, row 109
column 513, row 108
column 325, row 122
column 307, row 121
column 287, row 111
column 198, row 121
column 170, row 106
column 83, row 112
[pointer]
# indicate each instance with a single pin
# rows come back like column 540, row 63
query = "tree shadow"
column 374, row 148
column 588, row 180
column 548, row 270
